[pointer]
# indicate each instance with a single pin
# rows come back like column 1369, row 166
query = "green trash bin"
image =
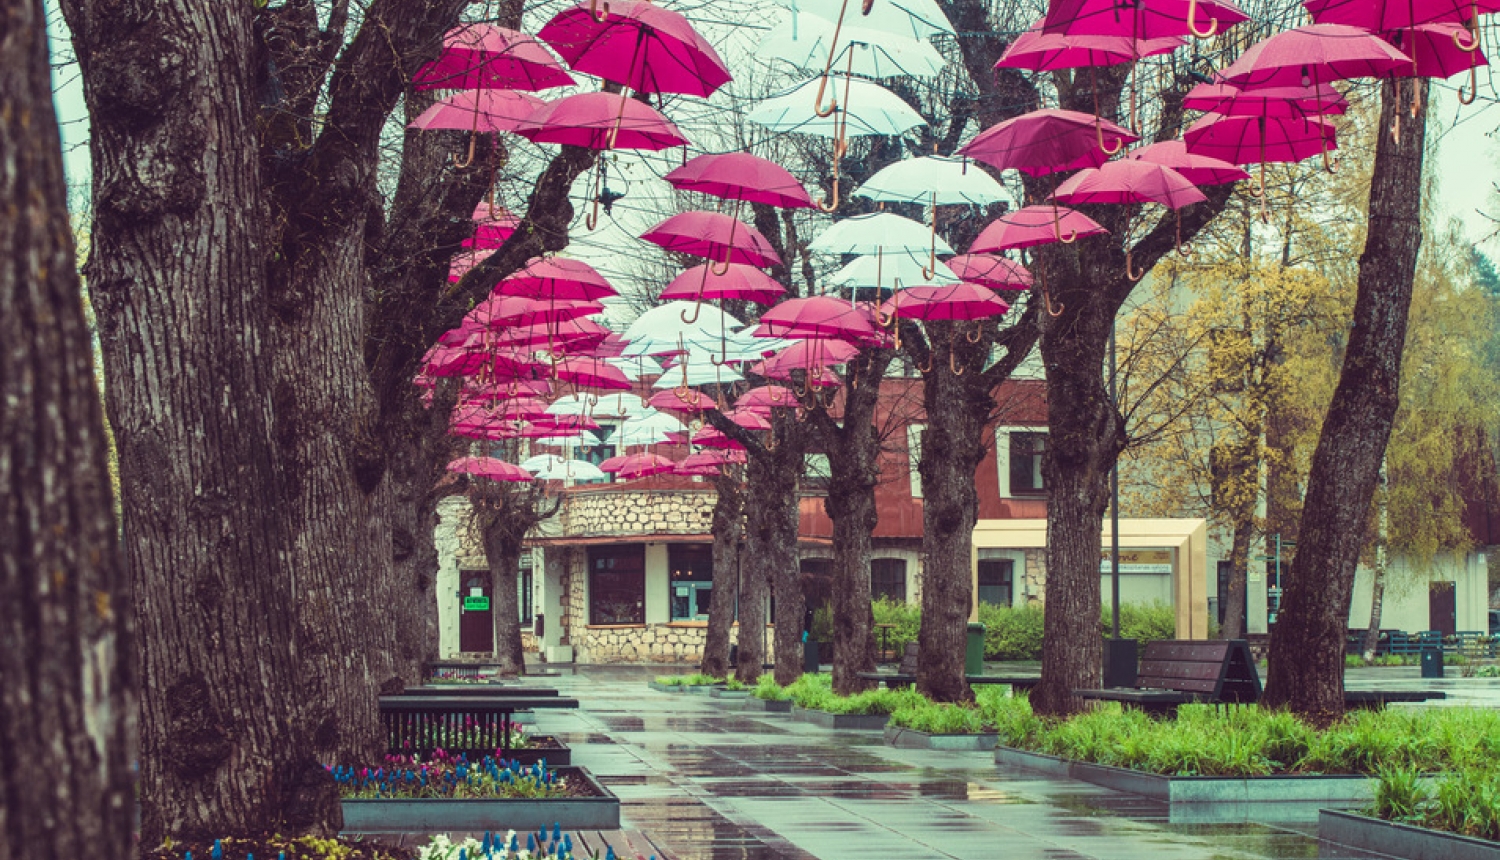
column 974, row 650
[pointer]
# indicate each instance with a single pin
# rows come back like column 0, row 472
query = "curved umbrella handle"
column 928, row 367
column 1192, row 22
column 697, row 309
column 1473, row 87
column 953, row 364
column 599, row 14
column 833, row 105
column 1130, row 271
column 1057, row 227
column 1183, row 250
column 468, row 160
column 825, row 205
column 977, row 333
column 1099, row 134
column 1473, row 44
column 720, row 270
column 1047, row 297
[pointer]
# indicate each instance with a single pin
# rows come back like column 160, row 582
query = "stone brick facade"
column 596, row 513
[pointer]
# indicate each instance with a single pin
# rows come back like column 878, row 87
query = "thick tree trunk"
column 179, row 277
column 1306, row 671
column 771, row 556
column 1234, row 601
column 728, row 530
column 67, row 679
column 1236, row 478
column 502, row 552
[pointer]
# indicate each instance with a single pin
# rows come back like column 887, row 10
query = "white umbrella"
column 606, row 405
column 664, row 323
column 875, row 54
column 875, row 233
column 550, row 467
column 916, row 180
column 649, row 430
column 916, row 19
column 898, row 269
column 697, row 373
column 875, row 110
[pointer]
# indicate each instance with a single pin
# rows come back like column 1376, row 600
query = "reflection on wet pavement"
column 710, row 781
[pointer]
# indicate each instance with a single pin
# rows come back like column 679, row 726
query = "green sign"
column 476, row 604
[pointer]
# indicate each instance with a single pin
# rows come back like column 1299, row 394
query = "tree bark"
column 67, row 679
column 771, row 555
column 729, row 536
column 502, row 553
column 1306, row 670
column 1235, row 471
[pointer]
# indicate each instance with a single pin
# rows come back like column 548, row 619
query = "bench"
column 474, row 726
column 906, row 675
column 1178, row 671
column 478, row 690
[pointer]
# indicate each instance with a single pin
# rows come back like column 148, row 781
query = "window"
column 816, row 474
column 524, row 587
column 1025, row 468
column 914, row 456
column 691, row 580
column 595, row 447
column 996, row 581
column 617, row 585
column 888, row 579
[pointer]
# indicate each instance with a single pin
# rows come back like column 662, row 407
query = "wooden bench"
column 1177, row 671
column 906, row 674
column 474, row 726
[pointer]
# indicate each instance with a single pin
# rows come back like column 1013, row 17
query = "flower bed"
column 552, row 844
column 487, row 795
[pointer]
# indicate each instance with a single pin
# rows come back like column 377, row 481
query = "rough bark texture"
column 1235, row 468
column 729, row 536
column 67, row 682
column 1306, row 669
column 503, row 514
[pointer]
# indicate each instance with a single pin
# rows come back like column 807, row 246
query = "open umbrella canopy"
column 877, row 232
column 1197, row 169
column 997, row 273
column 697, row 373
column 1315, row 54
column 914, row 19
column 713, row 235
column 710, row 461
column 478, row 110
column 768, row 397
column 1150, row 19
column 1040, row 51
column 1251, row 140
column 1438, row 49
column 613, row 405
column 750, row 419
column 492, row 226
column 469, row 361
column 739, row 282
column 489, row 467
column 592, row 373
column 601, row 120
column 816, row 317
column 1299, row 101
column 502, row 311
column 809, row 354
column 575, row 336
column 805, row 43
column 691, row 401
column 641, row 45
column 463, row 261
column 891, row 270
column 1129, row 181
column 1047, row 141
column 484, row 56
column 1385, row 15
column 551, row 467
column 556, row 279
column 710, row 436
column 741, row 176
column 956, row 302
column 933, row 179
column 629, row 467
column 1034, row 225
column 818, row 377
column 870, row 109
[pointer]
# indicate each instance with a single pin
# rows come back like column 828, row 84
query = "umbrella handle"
column 1183, row 250
column 1057, row 227
column 952, row 363
column 1473, row 87
column 928, row 367
column 599, row 14
column 824, row 205
column 930, row 270
column 1328, row 160
column 1130, row 271
column 1047, row 297
column 722, row 270
column 468, row 160
column 977, row 333
column 697, row 309
column 1470, row 46
column 866, row 7
column 833, row 105
column 1099, row 133
column 1192, row 22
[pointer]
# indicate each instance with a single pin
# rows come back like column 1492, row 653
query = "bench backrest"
column 1218, row 670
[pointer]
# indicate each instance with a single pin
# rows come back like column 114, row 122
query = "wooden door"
column 1442, row 607
column 476, row 627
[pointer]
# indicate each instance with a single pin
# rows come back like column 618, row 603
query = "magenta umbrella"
column 1315, row 54
column 767, row 397
column 556, row 279
column 712, row 437
column 494, row 363
column 479, row 111
column 1197, row 169
column 489, row 467
column 629, row 467
column 1034, row 225
column 668, row 401
column 502, row 311
column 750, row 419
column 713, row 235
column 738, row 282
column 492, row 226
column 646, row 47
column 1143, row 19
column 1040, row 51
column 817, row 377
column 960, row 301
column 1386, row 15
column 575, row 336
column 1266, row 101
column 741, row 176
column 709, row 462
column 601, row 121
column 594, row 373
column 1259, row 139
column 484, row 56
column 806, row 354
column 1129, row 181
column 1047, row 141
column 816, row 317
column 997, row 273
column 466, row 260
column 1437, row 49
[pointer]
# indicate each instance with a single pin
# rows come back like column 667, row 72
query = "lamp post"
column 1119, row 654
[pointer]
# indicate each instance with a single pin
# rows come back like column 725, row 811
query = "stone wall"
column 1035, row 585
column 629, row 512
column 647, row 643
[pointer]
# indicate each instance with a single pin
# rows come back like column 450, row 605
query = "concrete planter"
column 769, row 706
column 601, row 812
column 721, row 693
column 1401, row 840
column 557, row 755
column 859, row 722
column 911, row 739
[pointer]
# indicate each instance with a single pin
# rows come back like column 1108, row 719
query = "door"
column 476, row 625
column 1442, row 607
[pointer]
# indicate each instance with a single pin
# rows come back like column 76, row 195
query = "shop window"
column 888, row 579
column 1026, row 452
column 997, row 581
column 691, row 579
column 617, row 585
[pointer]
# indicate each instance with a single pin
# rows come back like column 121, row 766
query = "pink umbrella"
column 1252, row 139
column 601, row 121
column 1129, row 181
column 483, row 56
column 496, row 392
column 750, row 419
column 954, row 302
column 556, row 279
column 1047, row 141
column 491, row 363
column 816, row 317
column 712, row 437
column 1269, row 101
column 1437, row 49
column 808, row 354
column 709, row 462
column 502, row 311
column 1386, row 15
column 479, row 111
column 739, row 282
column 575, row 336
column 646, row 47
column 1197, row 169
column 1040, row 51
column 741, row 176
column 588, row 372
column 489, row 467
column 612, row 347
column 1034, row 225
column 464, row 261
column 1152, row 19
column 767, row 397
column 714, row 235
column 632, row 466
column 668, row 401
column 818, row 377
column 492, row 226
column 997, row 273
column 1313, row 55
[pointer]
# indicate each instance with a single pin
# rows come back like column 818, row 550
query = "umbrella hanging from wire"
column 988, row 270
column 484, row 56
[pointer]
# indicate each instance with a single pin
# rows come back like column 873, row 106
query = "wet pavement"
column 709, row 781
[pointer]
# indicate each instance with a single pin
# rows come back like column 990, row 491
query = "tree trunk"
column 67, row 679
column 1377, row 576
column 1234, row 602
column 1306, row 671
column 728, row 530
column 502, row 552
column 179, row 277
column 771, row 558
column 1236, row 477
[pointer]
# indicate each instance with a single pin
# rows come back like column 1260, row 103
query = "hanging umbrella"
column 1034, row 225
column 1437, row 49
column 1249, row 139
column 633, row 466
column 713, row 235
column 809, row 354
column 1197, row 169
column 768, row 397
column 712, row 437
column 1387, row 15
column 696, row 373
column 601, row 120
column 740, row 281
column 646, row 47
column 741, row 176
column 442, row 361
column 1039, row 51
column 489, row 467
column 709, row 462
column 915, row 19
column 874, row 233
column 479, row 111
column 1129, row 181
column 1299, row 101
column 502, row 311
column 1144, row 20
column 551, row 467
column 808, row 43
column 891, row 271
column 994, row 272
column 492, row 226
column 616, row 405
column 750, row 419
column 593, row 373
column 693, row 401
column 1047, row 141
column 1315, row 54
column 957, row 302
column 556, row 279
column 876, row 111
column 817, row 317
column 484, row 56
column 933, row 179
column 816, row 377
column 576, row 336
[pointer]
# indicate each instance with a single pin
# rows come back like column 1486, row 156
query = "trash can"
column 810, row 656
column 974, row 650
column 1432, row 663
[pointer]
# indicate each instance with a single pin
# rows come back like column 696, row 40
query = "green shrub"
column 815, row 692
column 1012, row 633
column 940, row 719
column 697, row 679
column 767, row 688
column 907, row 618
column 822, row 626
column 1143, row 622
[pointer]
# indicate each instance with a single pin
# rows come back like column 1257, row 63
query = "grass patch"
column 767, row 688
column 1465, row 801
column 697, row 679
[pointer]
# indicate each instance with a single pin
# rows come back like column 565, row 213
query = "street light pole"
column 1119, row 654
